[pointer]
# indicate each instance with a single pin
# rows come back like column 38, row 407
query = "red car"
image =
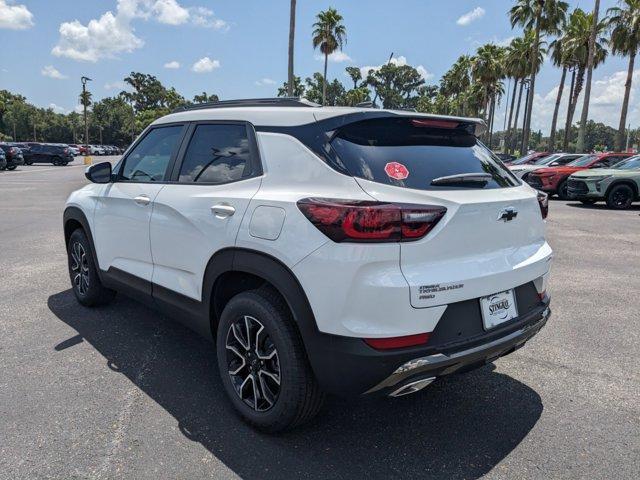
column 553, row 180
column 528, row 159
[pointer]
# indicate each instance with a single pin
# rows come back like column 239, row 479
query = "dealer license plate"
column 498, row 308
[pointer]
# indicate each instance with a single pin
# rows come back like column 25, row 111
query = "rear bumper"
column 348, row 367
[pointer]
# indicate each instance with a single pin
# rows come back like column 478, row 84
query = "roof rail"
column 251, row 102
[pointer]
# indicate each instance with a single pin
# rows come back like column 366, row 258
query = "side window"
column 217, row 154
column 567, row 159
column 149, row 159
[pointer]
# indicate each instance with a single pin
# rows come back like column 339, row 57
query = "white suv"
column 324, row 250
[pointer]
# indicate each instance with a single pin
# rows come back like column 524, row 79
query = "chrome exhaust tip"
column 412, row 387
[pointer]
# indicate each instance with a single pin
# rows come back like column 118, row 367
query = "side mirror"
column 597, row 165
column 554, row 164
column 99, row 173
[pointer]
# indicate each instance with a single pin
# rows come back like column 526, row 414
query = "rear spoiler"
column 475, row 126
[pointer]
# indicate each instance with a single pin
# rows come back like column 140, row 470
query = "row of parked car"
column 13, row 154
column 611, row 177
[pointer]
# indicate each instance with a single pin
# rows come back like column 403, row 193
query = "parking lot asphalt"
column 123, row 392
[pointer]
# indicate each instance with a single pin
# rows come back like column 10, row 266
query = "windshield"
column 583, row 161
column 525, row 159
column 632, row 163
column 546, row 160
column 407, row 153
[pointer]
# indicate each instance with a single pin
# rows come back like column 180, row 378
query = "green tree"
column 297, row 91
column 317, row 87
column 544, row 17
column 356, row 76
column 584, row 115
column 329, row 35
column 624, row 22
column 488, row 70
column 577, row 35
column 205, row 98
column 395, row 85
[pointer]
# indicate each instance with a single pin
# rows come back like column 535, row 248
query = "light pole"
column 628, row 137
column 84, row 81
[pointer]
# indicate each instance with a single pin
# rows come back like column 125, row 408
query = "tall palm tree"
column 488, row 70
column 559, row 59
column 329, row 35
column 584, row 115
column 456, row 81
column 517, row 64
column 544, row 17
column 578, row 34
column 292, row 32
column 625, row 40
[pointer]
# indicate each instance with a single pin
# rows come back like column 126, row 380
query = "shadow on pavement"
column 603, row 206
column 459, row 427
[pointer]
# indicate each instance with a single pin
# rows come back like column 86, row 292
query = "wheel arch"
column 72, row 219
column 233, row 270
column 627, row 182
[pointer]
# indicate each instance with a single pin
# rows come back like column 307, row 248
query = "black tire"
column 12, row 167
column 620, row 197
column 57, row 161
column 28, row 162
column 563, row 191
column 64, row 164
column 83, row 272
column 588, row 201
column 298, row 397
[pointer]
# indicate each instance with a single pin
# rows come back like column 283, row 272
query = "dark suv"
column 13, row 156
column 44, row 153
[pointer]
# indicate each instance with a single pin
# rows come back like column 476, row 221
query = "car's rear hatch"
column 491, row 238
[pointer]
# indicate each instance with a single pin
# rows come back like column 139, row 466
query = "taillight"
column 543, row 201
column 397, row 342
column 370, row 221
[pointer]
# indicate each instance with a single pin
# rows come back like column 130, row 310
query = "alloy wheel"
column 79, row 268
column 620, row 198
column 253, row 363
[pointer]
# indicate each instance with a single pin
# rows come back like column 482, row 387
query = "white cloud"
column 475, row 14
column 265, row 81
column 173, row 65
column 57, row 108
column 114, row 33
column 117, row 85
column 205, row 65
column 80, row 109
column 399, row 61
column 15, row 17
column 337, row 57
column 52, row 72
column 170, row 12
column 204, row 17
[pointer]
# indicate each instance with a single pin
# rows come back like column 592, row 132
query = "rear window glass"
column 403, row 152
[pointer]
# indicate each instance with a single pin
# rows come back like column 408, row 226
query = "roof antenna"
column 376, row 96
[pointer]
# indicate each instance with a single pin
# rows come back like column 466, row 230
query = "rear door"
column 123, row 212
column 200, row 211
column 492, row 236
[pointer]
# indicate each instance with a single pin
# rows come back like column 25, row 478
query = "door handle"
column 142, row 199
column 222, row 210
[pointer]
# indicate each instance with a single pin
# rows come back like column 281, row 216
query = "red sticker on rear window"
column 396, row 170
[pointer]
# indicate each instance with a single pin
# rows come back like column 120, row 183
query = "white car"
column 522, row 171
column 96, row 150
column 323, row 249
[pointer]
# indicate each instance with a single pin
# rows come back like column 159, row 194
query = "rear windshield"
column 404, row 152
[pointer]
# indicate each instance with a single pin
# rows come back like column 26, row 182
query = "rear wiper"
column 462, row 178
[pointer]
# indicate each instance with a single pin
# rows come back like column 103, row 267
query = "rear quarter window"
column 404, row 153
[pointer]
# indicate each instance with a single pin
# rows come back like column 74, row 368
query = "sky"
column 238, row 49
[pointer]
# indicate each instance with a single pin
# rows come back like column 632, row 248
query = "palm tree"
column 559, row 59
column 578, row 34
column 488, row 70
column 292, row 32
column 584, row 115
column 625, row 40
column 544, row 17
column 329, row 35
column 456, row 81
column 517, row 64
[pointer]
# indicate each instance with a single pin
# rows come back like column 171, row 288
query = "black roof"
column 251, row 102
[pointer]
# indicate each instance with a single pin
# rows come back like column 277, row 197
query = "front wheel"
column 12, row 167
column 28, row 162
column 620, row 197
column 563, row 191
column 83, row 272
column 263, row 364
